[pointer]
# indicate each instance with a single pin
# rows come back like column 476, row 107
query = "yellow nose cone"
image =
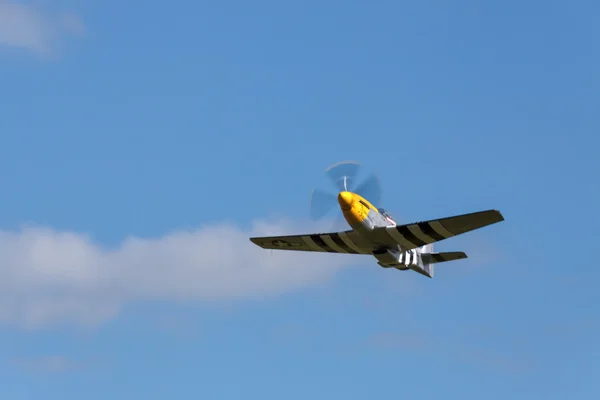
column 345, row 199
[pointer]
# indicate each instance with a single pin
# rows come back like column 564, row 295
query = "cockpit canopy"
column 383, row 212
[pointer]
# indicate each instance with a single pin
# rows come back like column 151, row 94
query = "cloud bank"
column 49, row 277
column 25, row 26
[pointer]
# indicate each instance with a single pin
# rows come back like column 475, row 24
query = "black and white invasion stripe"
column 408, row 257
column 419, row 234
column 332, row 243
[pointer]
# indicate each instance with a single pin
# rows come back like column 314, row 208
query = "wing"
column 348, row 242
column 411, row 236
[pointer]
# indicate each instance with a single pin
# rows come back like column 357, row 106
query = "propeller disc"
column 343, row 176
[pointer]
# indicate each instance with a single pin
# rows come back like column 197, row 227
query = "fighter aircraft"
column 374, row 231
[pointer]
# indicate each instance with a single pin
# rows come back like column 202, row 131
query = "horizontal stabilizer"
column 432, row 258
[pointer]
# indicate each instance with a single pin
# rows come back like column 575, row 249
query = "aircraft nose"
column 345, row 199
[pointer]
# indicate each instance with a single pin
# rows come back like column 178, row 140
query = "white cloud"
column 49, row 277
column 26, row 26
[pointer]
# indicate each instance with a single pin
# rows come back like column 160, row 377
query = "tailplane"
column 434, row 258
column 421, row 260
column 429, row 258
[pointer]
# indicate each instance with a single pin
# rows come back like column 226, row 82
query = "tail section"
column 427, row 264
column 421, row 260
column 428, row 248
column 414, row 260
column 428, row 258
column 434, row 258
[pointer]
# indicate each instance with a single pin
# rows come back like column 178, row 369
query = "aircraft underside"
column 374, row 232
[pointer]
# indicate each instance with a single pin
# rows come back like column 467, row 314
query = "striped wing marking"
column 345, row 242
column 418, row 234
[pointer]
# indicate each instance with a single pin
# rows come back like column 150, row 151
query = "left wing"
column 346, row 242
column 418, row 234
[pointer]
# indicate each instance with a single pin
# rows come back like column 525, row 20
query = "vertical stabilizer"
column 428, row 248
column 427, row 267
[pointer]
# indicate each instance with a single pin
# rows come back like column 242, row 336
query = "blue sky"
column 141, row 147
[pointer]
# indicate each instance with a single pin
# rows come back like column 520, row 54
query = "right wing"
column 418, row 234
column 348, row 242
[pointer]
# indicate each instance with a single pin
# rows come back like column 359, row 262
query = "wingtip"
column 496, row 214
column 499, row 215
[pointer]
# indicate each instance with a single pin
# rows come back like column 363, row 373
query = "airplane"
column 374, row 232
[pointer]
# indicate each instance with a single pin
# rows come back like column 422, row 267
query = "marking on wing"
column 398, row 238
column 344, row 236
column 429, row 231
column 331, row 243
column 415, row 229
column 321, row 243
column 310, row 243
column 282, row 243
column 340, row 242
column 439, row 228
column 404, row 231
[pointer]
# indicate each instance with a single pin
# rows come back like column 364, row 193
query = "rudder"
column 427, row 265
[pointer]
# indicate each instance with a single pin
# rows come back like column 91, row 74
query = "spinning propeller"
column 343, row 176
